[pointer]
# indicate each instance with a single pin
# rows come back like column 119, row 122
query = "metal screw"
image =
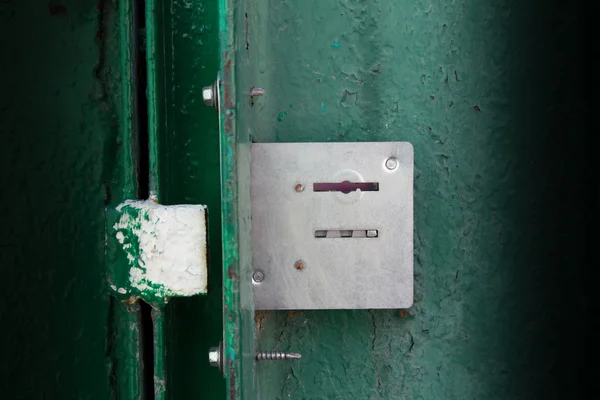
column 299, row 265
column 258, row 276
column 391, row 163
column 215, row 357
column 276, row 355
column 256, row 91
column 299, row 187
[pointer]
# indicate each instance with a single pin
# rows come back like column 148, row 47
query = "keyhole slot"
column 345, row 187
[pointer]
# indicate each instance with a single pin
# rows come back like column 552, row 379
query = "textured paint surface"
column 490, row 94
column 56, row 123
column 182, row 57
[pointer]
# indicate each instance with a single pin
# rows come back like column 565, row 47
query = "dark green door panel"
column 491, row 97
column 55, row 121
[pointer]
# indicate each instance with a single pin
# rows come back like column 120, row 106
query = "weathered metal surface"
column 490, row 94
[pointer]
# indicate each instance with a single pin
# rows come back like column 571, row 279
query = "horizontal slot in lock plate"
column 332, row 225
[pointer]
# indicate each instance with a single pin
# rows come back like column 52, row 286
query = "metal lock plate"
column 332, row 225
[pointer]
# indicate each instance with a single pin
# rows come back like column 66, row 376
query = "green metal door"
column 100, row 102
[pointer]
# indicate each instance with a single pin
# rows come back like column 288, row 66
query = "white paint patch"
column 171, row 258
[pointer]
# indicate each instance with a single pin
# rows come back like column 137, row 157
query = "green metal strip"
column 126, row 365
column 238, row 308
column 231, row 317
column 185, row 133
column 127, row 166
column 154, row 94
column 160, row 360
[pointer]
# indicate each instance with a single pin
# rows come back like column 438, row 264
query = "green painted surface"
column 489, row 94
column 182, row 57
column 59, row 140
column 125, row 338
column 239, row 345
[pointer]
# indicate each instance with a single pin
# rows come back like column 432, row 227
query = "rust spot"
column 131, row 300
column 432, row 97
column 404, row 314
column 299, row 265
column 292, row 314
column 232, row 389
column 259, row 318
column 476, row 108
column 57, row 9
column 231, row 274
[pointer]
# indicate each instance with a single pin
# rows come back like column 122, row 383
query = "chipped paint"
column 165, row 248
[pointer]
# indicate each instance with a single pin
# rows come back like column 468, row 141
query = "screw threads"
column 276, row 355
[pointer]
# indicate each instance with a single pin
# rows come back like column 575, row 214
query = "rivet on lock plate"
column 332, row 225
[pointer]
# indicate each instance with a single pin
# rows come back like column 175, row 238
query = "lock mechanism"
column 332, row 225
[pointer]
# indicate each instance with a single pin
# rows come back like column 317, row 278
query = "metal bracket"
column 332, row 225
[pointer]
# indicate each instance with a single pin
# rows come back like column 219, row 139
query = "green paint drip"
column 335, row 45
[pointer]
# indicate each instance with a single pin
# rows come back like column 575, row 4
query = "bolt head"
column 391, row 163
column 258, row 276
column 299, row 265
column 208, row 96
column 214, row 357
column 299, row 187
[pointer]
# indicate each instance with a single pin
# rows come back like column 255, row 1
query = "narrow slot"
column 147, row 350
column 140, row 136
column 346, row 233
column 320, row 234
column 345, row 187
column 139, row 106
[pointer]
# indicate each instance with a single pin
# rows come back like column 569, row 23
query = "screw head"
column 256, row 91
column 258, row 276
column 299, row 265
column 299, row 187
column 391, row 163
column 208, row 96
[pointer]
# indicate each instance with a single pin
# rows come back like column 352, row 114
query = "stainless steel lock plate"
column 332, row 225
